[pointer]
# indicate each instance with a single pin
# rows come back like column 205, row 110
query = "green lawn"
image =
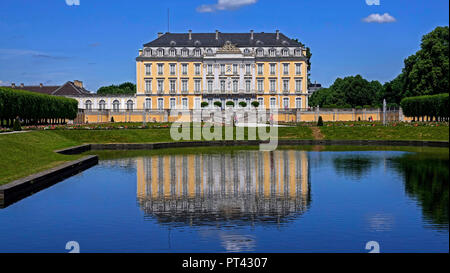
column 27, row 153
column 379, row 132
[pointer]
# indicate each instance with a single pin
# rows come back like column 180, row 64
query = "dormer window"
column 209, row 51
column 173, row 52
column 160, row 52
column 148, row 52
column 197, row 53
column 184, row 52
column 246, row 51
column 297, row 52
column 285, row 52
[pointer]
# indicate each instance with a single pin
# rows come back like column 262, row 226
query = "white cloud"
column 378, row 18
column 225, row 5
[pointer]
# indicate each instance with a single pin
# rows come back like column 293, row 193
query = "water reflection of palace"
column 205, row 189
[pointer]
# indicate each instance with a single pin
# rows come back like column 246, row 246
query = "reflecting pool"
column 219, row 200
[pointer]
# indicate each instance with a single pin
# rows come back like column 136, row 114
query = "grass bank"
column 27, row 153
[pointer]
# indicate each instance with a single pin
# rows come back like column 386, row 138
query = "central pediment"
column 229, row 48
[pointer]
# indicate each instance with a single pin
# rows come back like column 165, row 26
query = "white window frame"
column 298, row 102
column 148, row 85
column 148, row 103
column 160, row 103
column 148, row 69
column 160, row 69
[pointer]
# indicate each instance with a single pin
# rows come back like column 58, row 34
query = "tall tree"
column 126, row 88
column 427, row 71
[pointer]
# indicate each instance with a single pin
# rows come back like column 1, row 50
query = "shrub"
column 204, row 104
column 112, row 119
column 17, row 126
column 229, row 103
column 242, row 104
column 255, row 104
column 432, row 106
column 218, row 104
column 320, row 121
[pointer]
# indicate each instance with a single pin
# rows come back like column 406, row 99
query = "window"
column 209, row 51
column 160, row 103
column 298, row 103
column 247, row 85
column 297, row 52
column 246, row 51
column 172, row 86
column 210, row 69
column 285, row 103
column 184, row 52
column 88, row 105
column 197, row 103
column 261, row 85
column 116, row 105
column 184, row 69
column 298, row 69
column 210, row 86
column 172, row 69
column 247, row 69
column 285, row 52
column 259, row 52
column 197, row 69
column 286, row 69
column 273, row 103
column 222, row 85
column 285, row 85
column 160, row 86
column 197, row 53
column 222, row 69
column 102, row 105
column 184, row 103
column 148, row 103
column 272, row 52
column 160, row 52
column 235, row 69
column 260, row 69
column 160, row 69
column 172, row 103
column 148, row 69
column 298, row 85
column 272, row 69
column 173, row 52
column 148, row 86
column 272, row 86
column 235, row 86
column 148, row 52
column 261, row 102
column 197, row 84
column 129, row 105
column 184, row 86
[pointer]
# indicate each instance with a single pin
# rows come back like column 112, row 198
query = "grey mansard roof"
column 260, row 39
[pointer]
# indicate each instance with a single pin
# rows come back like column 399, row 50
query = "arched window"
column 184, row 52
column 116, row 105
column 272, row 52
column 88, row 105
column 129, row 105
column 297, row 52
column 197, row 52
column 102, row 105
column 148, row 52
column 285, row 52
column 148, row 103
column 173, row 52
column 160, row 52
column 209, row 51
column 260, row 52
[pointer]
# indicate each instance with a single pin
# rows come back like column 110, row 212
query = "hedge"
column 430, row 106
column 34, row 108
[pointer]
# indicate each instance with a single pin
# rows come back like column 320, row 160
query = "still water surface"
column 241, row 201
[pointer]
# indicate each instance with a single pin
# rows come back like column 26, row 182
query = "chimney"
column 160, row 34
column 278, row 34
column 217, row 34
column 190, row 34
column 13, row 85
column 21, row 85
column 78, row 83
column 41, row 85
column 251, row 34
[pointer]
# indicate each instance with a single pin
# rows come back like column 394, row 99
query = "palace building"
column 182, row 70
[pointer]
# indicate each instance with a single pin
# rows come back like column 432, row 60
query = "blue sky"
column 97, row 41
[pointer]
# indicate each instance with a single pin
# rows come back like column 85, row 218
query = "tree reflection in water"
column 243, row 188
column 426, row 180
